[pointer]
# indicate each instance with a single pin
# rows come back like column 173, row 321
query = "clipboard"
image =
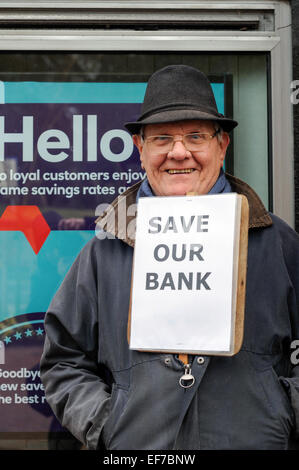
column 238, row 305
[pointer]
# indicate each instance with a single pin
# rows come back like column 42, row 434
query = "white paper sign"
column 183, row 275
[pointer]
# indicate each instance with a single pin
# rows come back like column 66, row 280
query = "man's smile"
column 183, row 171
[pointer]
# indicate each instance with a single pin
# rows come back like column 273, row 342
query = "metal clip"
column 187, row 377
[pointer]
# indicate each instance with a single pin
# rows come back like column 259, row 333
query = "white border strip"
column 137, row 5
column 139, row 41
column 282, row 119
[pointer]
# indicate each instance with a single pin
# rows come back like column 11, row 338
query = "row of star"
column 28, row 333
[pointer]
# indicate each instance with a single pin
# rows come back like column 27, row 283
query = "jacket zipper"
column 187, row 379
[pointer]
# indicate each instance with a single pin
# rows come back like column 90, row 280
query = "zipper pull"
column 187, row 380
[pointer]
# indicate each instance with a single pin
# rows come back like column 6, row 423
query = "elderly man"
column 110, row 396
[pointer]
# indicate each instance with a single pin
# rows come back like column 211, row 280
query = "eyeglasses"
column 192, row 142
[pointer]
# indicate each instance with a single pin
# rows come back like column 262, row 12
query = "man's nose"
column 179, row 151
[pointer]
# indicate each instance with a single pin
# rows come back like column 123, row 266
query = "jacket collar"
column 120, row 218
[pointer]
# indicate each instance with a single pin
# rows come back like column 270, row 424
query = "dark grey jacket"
column 105, row 393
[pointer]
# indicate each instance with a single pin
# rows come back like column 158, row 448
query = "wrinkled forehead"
column 178, row 127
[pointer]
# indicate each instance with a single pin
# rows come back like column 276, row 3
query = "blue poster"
column 64, row 151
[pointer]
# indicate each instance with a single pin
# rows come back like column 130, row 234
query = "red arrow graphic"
column 30, row 221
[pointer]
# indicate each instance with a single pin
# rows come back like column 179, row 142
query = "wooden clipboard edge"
column 242, row 272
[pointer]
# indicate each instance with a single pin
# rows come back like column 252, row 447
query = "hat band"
column 179, row 106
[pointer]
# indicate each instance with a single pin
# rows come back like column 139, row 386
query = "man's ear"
column 139, row 144
column 224, row 143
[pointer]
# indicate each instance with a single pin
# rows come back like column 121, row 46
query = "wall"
column 295, row 38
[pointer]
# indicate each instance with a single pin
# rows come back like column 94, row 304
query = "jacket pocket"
column 275, row 397
column 281, row 399
column 291, row 385
column 119, row 399
column 147, row 418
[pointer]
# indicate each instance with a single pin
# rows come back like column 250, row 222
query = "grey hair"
column 141, row 132
column 219, row 131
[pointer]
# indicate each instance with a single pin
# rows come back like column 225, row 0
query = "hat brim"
column 180, row 115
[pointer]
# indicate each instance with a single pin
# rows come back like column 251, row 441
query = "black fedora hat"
column 179, row 93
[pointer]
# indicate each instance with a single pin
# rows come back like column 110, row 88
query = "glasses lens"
column 195, row 141
column 160, row 142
